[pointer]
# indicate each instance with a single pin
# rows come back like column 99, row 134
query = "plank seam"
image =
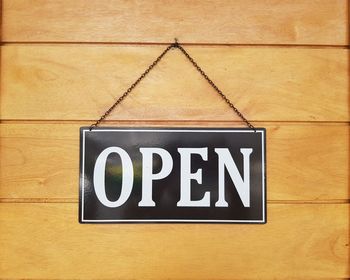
column 74, row 200
column 36, row 121
column 312, row 46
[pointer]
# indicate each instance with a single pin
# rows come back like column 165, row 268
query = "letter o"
column 127, row 177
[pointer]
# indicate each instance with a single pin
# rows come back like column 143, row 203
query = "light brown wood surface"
column 284, row 64
column 45, row 241
column 317, row 22
column 80, row 82
column 41, row 160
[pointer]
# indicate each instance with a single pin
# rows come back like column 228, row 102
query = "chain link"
column 175, row 45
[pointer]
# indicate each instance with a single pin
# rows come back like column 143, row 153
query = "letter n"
column 242, row 184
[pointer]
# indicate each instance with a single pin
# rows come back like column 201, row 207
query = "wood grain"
column 318, row 22
column 304, row 161
column 63, row 82
column 284, row 64
column 46, row 241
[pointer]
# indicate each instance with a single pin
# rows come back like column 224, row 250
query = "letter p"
column 147, row 172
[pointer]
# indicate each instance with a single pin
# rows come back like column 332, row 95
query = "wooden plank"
column 318, row 22
column 299, row 241
column 304, row 161
column 81, row 82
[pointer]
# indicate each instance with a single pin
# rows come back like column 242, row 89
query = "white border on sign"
column 177, row 220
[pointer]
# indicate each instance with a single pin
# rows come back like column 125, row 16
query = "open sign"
column 172, row 175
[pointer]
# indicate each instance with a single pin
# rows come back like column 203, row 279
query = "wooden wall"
column 285, row 64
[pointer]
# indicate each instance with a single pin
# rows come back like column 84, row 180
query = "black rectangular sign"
column 172, row 175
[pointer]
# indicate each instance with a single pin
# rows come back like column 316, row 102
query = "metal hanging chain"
column 175, row 45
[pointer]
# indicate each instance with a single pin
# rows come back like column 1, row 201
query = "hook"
column 176, row 43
